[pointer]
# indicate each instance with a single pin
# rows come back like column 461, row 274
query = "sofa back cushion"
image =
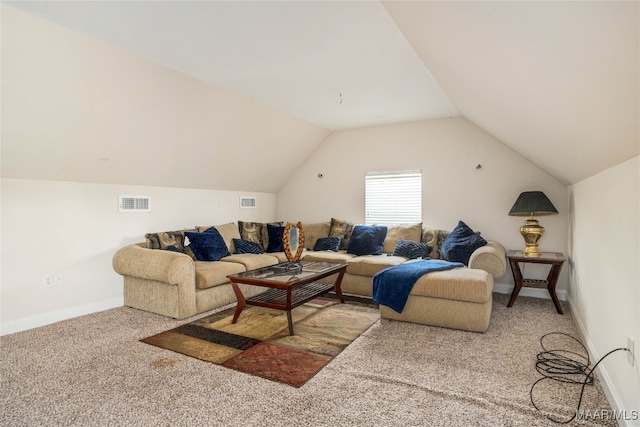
column 314, row 231
column 402, row 231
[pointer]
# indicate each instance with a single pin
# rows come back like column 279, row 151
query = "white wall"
column 604, row 287
column 447, row 151
column 75, row 228
column 77, row 109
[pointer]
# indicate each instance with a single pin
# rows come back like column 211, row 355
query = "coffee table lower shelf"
column 285, row 300
column 275, row 298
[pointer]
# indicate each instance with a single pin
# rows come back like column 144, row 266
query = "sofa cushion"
column 410, row 249
column 403, row 231
column 341, row 229
column 314, row 231
column 461, row 243
column 367, row 240
column 252, row 261
column 276, row 233
column 207, row 246
column 340, row 257
column 460, row 284
column 370, row 265
column 328, row 244
column 214, row 273
column 247, row 247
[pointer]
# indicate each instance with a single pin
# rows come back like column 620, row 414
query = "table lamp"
column 532, row 203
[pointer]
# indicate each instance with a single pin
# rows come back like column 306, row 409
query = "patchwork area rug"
column 259, row 342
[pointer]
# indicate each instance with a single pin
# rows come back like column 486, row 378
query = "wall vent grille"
column 247, row 202
column 134, row 204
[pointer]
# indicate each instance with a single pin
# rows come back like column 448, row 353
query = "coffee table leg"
column 289, row 317
column 337, row 286
column 241, row 301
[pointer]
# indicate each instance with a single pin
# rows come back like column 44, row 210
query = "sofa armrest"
column 153, row 264
column 490, row 258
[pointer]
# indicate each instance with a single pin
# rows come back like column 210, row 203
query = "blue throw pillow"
column 207, row 246
column 367, row 240
column 410, row 249
column 275, row 233
column 247, row 247
column 328, row 244
column 461, row 243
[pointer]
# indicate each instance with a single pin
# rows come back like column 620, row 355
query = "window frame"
column 390, row 192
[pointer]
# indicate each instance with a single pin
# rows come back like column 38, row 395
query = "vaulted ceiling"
column 556, row 81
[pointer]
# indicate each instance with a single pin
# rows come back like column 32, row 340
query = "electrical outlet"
column 631, row 355
column 47, row 281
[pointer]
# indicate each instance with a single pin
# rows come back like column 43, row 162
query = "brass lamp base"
column 531, row 231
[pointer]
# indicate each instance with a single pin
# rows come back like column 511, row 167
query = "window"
column 393, row 197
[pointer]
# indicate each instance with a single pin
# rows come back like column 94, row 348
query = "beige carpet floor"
column 94, row 371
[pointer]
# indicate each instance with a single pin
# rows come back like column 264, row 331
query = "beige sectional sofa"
column 174, row 284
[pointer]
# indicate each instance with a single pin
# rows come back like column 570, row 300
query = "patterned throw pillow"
column 251, row 231
column 167, row 240
column 207, row 246
column 327, row 244
column 367, row 240
column 461, row 243
column 410, row 249
column 247, row 247
column 434, row 238
column 342, row 229
column 276, row 233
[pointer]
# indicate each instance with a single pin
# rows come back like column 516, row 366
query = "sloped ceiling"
column 556, row 81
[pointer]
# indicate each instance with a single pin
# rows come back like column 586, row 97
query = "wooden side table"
column 554, row 259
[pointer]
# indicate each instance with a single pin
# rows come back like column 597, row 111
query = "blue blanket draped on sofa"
column 391, row 286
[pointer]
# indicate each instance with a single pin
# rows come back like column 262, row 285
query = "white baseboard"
column 56, row 316
column 506, row 288
column 59, row 315
column 603, row 375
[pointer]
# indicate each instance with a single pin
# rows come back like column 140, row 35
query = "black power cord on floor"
column 566, row 366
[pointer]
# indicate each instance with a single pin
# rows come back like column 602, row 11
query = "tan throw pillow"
column 403, row 231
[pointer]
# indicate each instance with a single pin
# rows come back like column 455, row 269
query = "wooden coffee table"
column 288, row 287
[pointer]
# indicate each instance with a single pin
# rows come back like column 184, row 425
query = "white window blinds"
column 393, row 197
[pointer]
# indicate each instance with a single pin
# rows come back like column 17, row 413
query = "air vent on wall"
column 247, row 202
column 134, row 204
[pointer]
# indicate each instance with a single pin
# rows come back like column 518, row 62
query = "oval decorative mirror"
column 293, row 241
